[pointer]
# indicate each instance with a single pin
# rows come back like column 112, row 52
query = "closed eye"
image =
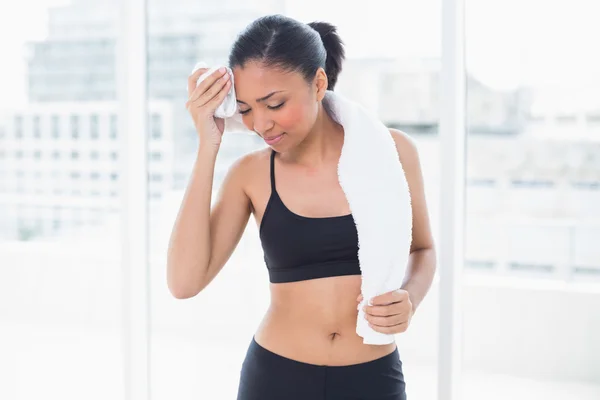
column 269, row 107
column 277, row 106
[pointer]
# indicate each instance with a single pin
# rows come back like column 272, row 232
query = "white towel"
column 228, row 109
column 229, row 106
column 375, row 185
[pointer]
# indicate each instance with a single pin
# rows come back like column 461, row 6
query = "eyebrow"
column 262, row 98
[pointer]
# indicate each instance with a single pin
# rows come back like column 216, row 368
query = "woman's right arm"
column 203, row 240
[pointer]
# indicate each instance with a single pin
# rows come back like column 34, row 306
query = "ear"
column 321, row 83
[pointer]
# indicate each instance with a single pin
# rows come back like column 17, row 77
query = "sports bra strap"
column 273, row 171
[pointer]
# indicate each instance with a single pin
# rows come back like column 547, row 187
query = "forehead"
column 255, row 80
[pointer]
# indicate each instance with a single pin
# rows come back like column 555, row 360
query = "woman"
column 306, row 346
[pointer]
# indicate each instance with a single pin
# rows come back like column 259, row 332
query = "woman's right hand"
column 204, row 100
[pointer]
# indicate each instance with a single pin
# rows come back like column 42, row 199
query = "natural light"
column 78, row 321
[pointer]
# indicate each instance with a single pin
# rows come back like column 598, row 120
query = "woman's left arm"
column 391, row 312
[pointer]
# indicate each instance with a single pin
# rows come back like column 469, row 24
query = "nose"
column 262, row 124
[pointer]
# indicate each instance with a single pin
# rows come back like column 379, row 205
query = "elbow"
column 427, row 257
column 432, row 255
column 181, row 292
column 182, row 287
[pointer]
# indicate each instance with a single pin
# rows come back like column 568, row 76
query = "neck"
column 322, row 144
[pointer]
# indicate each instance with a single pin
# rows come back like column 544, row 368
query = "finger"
column 218, row 99
column 386, row 298
column 209, row 91
column 193, row 79
column 204, row 97
column 387, row 321
column 193, row 84
column 216, row 93
column 206, row 83
column 390, row 330
column 390, row 297
column 384, row 311
column 359, row 298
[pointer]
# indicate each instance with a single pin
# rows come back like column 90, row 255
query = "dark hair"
column 283, row 42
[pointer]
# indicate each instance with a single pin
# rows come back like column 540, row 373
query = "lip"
column 273, row 139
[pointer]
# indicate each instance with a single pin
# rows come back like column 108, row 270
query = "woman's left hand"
column 390, row 313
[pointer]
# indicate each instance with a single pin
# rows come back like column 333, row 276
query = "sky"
column 509, row 42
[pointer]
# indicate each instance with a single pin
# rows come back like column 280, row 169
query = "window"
column 55, row 126
column 529, row 234
column 94, row 127
column 113, row 126
column 482, row 182
column 512, row 49
column 37, row 127
column 532, row 183
column 593, row 118
column 155, row 126
column 75, row 126
column 18, row 128
column 566, row 119
column 385, row 51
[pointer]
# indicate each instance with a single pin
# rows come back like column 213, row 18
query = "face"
column 279, row 106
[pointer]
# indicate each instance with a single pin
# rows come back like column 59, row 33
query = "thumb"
column 359, row 298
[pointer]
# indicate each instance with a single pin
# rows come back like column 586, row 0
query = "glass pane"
column 532, row 269
column 60, row 320
column 199, row 344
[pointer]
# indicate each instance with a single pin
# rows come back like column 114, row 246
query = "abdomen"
column 314, row 321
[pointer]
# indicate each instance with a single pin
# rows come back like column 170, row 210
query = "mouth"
column 273, row 139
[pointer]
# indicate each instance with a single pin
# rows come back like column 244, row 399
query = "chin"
column 280, row 147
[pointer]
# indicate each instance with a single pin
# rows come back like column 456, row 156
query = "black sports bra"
column 298, row 248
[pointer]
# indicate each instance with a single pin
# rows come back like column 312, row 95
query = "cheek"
column 296, row 118
column 247, row 121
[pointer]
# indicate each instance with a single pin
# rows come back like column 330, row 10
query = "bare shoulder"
column 251, row 160
column 407, row 148
column 250, row 165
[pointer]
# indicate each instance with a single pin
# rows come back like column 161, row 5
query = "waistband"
column 256, row 350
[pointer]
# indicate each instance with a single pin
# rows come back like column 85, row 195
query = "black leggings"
column 268, row 376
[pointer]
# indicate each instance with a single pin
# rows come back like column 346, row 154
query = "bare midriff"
column 314, row 322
